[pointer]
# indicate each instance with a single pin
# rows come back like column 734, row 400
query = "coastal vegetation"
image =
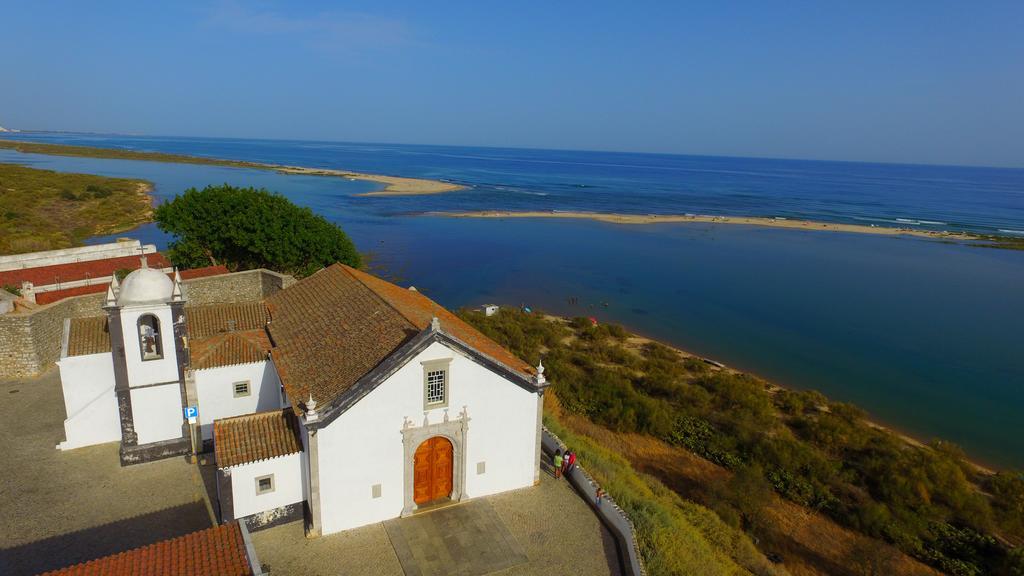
column 675, row 536
column 770, row 443
column 45, row 210
column 245, row 228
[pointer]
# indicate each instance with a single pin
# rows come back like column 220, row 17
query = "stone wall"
column 30, row 341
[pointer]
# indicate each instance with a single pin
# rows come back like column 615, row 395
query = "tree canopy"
column 244, row 228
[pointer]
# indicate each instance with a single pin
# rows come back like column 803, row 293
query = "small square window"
column 481, row 467
column 241, row 389
column 435, row 386
column 265, row 484
column 375, row 491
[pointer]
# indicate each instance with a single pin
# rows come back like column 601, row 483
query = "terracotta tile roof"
column 203, row 272
column 229, row 348
column 210, row 319
column 254, row 437
column 56, row 295
column 88, row 336
column 217, row 551
column 333, row 327
column 46, row 275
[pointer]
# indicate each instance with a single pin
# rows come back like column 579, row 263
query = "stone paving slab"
column 60, row 508
column 467, row 539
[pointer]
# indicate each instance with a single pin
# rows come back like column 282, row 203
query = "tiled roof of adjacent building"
column 335, row 326
column 217, row 551
column 230, row 348
column 56, row 295
column 88, row 336
column 219, row 334
column 255, row 437
column 58, row 273
column 211, row 319
column 191, row 273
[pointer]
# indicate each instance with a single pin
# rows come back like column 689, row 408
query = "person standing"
column 570, row 462
column 598, row 496
column 558, row 463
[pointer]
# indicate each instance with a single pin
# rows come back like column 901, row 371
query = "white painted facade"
column 288, row 479
column 155, row 386
column 364, row 446
column 216, row 392
column 89, row 401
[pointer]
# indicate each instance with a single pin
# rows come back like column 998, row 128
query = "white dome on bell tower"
column 145, row 286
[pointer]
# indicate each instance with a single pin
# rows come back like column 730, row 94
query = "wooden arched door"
column 432, row 470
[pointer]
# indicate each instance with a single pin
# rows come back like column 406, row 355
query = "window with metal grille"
column 435, row 386
column 241, row 388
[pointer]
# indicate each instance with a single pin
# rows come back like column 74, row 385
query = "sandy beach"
column 394, row 185
column 697, row 218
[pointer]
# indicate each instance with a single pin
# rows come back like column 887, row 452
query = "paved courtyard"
column 59, row 508
column 547, row 529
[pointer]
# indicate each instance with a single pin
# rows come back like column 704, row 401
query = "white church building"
column 342, row 399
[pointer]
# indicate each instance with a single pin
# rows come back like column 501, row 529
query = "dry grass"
column 809, row 543
column 45, row 210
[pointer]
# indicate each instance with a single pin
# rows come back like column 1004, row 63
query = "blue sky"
column 924, row 81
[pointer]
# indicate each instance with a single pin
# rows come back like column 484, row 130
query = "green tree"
column 244, row 228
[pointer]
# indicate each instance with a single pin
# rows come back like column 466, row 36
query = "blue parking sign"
column 192, row 412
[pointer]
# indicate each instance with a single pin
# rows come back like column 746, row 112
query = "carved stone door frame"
column 412, row 436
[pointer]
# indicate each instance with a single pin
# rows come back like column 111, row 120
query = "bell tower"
column 146, row 318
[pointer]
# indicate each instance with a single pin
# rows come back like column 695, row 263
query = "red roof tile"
column 203, row 272
column 254, row 437
column 57, row 295
column 332, row 328
column 88, row 336
column 230, row 348
column 46, row 275
column 217, row 551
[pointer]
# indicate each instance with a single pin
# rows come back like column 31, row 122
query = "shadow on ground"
column 74, row 547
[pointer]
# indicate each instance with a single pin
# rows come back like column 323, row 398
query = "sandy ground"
column 547, row 521
column 696, row 218
column 394, row 185
column 60, row 508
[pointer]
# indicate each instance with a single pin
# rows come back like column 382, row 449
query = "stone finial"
column 111, row 297
column 539, row 378
column 114, row 283
column 311, row 414
column 176, row 295
column 143, row 261
column 435, row 324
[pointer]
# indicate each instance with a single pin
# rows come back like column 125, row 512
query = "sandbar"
column 697, row 218
column 394, row 185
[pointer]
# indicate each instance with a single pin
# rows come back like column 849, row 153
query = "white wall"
column 141, row 373
column 215, row 389
column 89, row 401
column 289, row 484
column 364, row 447
column 79, row 254
column 156, row 412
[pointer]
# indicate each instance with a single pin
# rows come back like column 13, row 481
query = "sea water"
column 924, row 335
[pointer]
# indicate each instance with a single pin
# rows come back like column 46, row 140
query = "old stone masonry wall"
column 30, row 341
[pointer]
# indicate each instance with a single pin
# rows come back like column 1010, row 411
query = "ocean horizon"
column 920, row 333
